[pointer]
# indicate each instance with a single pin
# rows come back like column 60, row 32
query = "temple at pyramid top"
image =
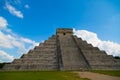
column 64, row 31
column 64, row 51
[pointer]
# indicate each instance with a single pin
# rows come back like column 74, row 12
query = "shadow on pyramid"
column 64, row 51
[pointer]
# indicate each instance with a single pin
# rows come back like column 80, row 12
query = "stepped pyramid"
column 64, row 51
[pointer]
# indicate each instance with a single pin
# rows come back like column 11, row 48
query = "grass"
column 108, row 72
column 49, row 75
column 39, row 75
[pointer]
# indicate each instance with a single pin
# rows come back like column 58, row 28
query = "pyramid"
column 64, row 51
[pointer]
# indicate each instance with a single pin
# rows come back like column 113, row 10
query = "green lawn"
column 49, row 75
column 39, row 75
column 108, row 72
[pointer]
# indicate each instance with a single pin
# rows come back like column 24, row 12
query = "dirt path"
column 96, row 76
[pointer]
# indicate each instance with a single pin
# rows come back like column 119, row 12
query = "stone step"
column 70, row 54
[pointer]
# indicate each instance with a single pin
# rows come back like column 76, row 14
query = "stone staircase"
column 71, row 56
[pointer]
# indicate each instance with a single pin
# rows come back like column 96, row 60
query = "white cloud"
column 27, row 6
column 13, row 10
column 5, row 57
column 27, row 40
column 110, row 47
column 3, row 22
column 17, row 43
column 5, row 40
column 10, row 41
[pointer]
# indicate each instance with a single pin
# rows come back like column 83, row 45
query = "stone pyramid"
column 64, row 51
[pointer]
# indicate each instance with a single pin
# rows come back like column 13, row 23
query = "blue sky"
column 35, row 20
